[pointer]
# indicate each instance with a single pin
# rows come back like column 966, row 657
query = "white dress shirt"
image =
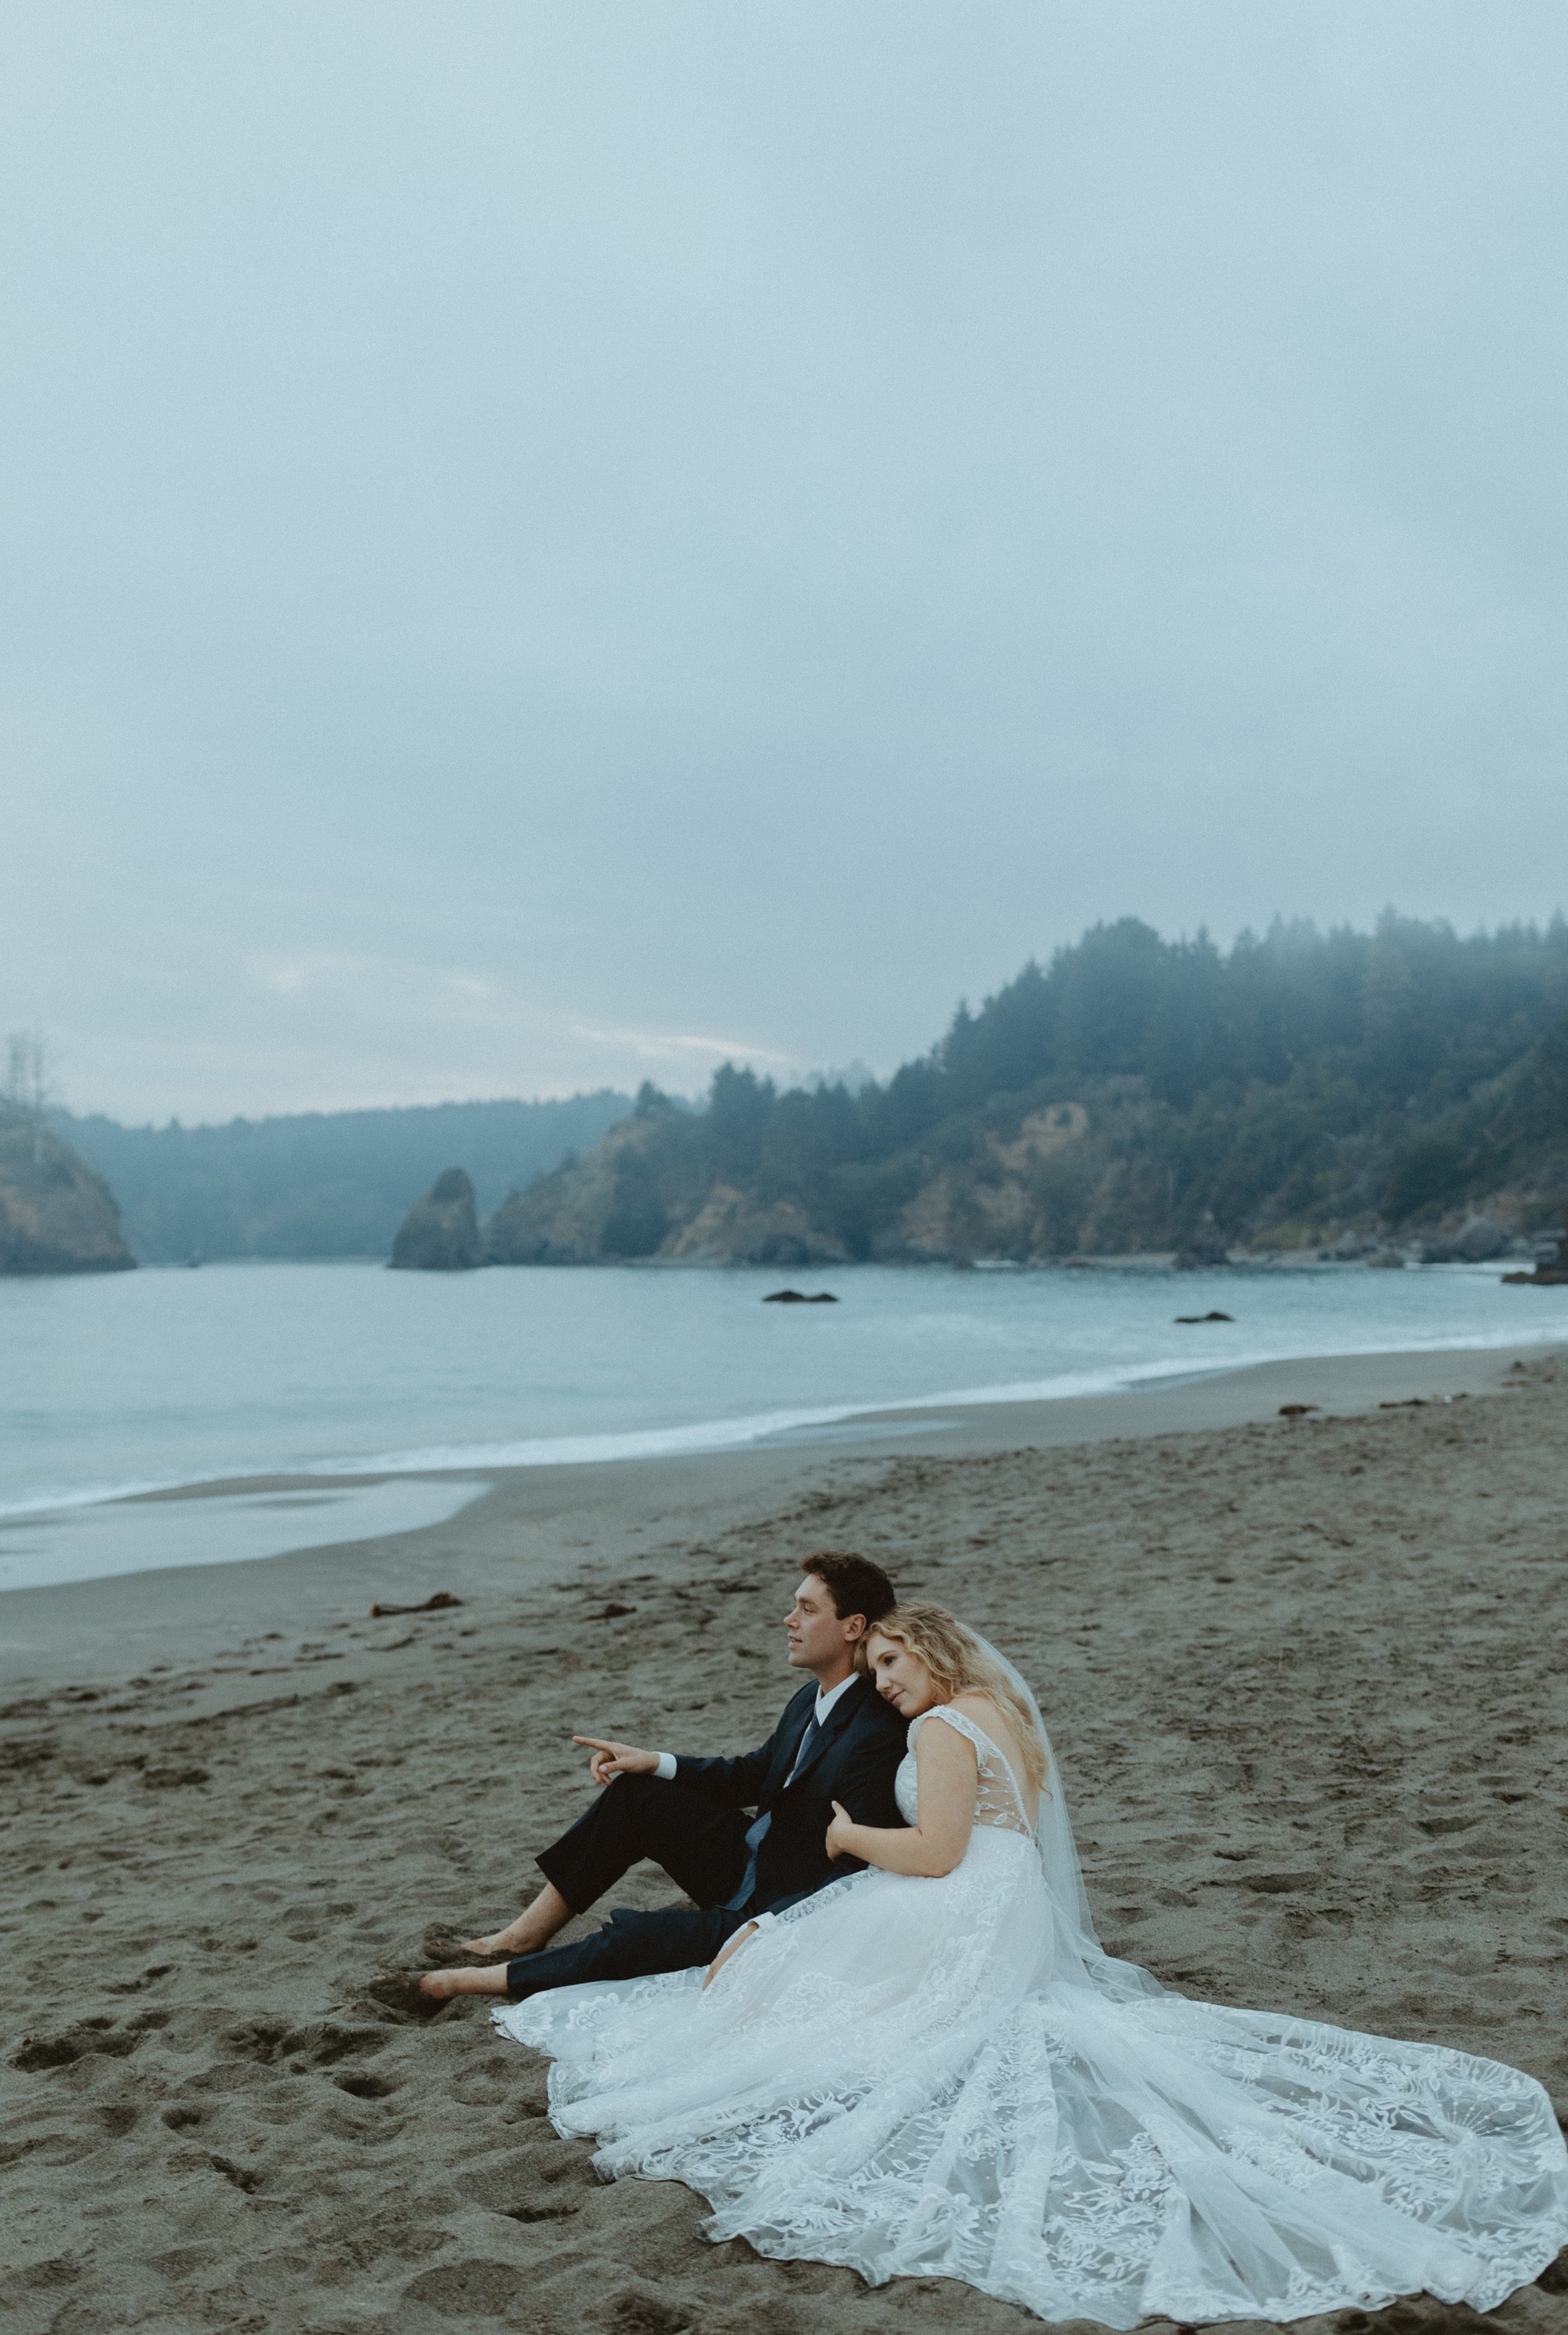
column 825, row 1702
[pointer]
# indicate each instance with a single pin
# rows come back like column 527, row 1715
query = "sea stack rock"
column 55, row 1215
column 441, row 1232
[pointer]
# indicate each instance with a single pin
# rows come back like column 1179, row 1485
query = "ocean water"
column 43, row 1547
column 131, row 1383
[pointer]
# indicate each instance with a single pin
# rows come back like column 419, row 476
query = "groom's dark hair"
column 854, row 1585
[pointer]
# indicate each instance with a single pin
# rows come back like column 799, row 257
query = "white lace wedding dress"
column 949, row 2076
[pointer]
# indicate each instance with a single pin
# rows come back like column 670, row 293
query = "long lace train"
column 941, row 2077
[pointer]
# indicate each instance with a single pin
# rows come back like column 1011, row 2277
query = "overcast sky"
column 546, row 546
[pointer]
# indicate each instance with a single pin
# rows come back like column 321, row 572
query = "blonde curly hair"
column 959, row 1665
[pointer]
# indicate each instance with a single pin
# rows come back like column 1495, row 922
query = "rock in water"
column 55, row 1215
column 441, row 1232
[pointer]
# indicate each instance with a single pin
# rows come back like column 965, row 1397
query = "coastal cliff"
column 55, row 1215
column 1389, row 1095
column 608, row 1203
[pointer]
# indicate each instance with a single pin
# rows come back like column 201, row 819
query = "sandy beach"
column 1306, row 1678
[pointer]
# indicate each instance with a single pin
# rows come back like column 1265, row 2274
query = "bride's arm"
column 720, row 1959
column 946, row 1765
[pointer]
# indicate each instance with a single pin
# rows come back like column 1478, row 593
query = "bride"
column 933, row 2067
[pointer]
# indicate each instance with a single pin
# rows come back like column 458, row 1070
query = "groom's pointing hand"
column 612, row 1760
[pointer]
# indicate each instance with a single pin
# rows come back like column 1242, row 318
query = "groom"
column 837, row 1740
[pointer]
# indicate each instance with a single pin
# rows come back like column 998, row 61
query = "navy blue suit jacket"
column 853, row 1760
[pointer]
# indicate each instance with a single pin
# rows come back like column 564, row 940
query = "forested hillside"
column 1134, row 1094
column 321, row 1184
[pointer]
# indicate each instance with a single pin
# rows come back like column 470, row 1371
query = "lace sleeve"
column 998, row 1802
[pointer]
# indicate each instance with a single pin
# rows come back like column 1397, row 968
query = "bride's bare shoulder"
column 985, row 1714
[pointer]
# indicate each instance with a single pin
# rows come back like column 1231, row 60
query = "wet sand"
column 1307, row 1679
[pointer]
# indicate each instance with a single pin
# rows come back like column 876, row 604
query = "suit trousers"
column 702, row 1846
column 630, row 1945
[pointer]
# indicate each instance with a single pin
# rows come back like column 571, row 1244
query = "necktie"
column 807, row 1742
column 757, row 1831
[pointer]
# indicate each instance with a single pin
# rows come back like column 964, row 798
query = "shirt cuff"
column 665, row 1770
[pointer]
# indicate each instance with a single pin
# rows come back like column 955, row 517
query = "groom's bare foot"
column 516, row 1939
column 439, row 1986
column 445, row 1950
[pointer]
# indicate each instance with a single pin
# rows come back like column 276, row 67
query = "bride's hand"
column 838, row 1831
column 719, row 1961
